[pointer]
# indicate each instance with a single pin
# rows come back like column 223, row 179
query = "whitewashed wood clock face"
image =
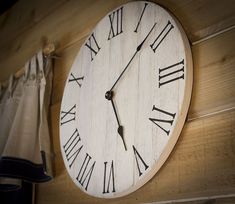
column 125, row 100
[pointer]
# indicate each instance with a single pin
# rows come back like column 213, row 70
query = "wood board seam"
column 210, row 114
column 213, row 35
column 194, row 199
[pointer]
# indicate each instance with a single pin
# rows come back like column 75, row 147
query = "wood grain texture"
column 66, row 23
column 203, row 161
column 202, row 164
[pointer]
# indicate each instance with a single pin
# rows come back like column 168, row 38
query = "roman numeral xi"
column 93, row 46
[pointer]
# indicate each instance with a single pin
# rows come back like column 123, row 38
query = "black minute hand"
column 137, row 50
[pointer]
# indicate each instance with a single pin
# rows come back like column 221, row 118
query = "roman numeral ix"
column 85, row 171
column 93, row 46
column 71, row 148
column 75, row 79
column 161, row 36
column 115, row 19
column 156, row 121
column 136, row 29
column 108, row 178
column 68, row 116
column 139, row 160
column 166, row 76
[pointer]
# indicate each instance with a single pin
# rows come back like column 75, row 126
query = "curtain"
column 25, row 148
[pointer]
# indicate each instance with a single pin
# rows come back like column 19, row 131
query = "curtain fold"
column 25, row 147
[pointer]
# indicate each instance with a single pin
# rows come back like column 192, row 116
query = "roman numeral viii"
column 115, row 20
column 139, row 160
column 169, row 121
column 171, row 73
column 71, row 147
column 93, row 46
column 68, row 116
column 108, row 178
column 85, row 172
column 159, row 39
column 72, row 78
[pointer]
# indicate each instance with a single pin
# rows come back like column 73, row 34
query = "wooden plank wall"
column 202, row 163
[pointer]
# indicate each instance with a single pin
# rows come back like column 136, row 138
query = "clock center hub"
column 109, row 95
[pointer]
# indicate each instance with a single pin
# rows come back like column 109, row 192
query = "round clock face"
column 125, row 100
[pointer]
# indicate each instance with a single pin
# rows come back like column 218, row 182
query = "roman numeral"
column 157, row 121
column 75, row 79
column 172, row 75
column 136, row 29
column 71, row 148
column 110, row 178
column 85, row 172
column 93, row 46
column 68, row 116
column 139, row 159
column 161, row 36
column 115, row 23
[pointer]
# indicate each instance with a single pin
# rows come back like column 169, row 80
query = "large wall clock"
column 125, row 100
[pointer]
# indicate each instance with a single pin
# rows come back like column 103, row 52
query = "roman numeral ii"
column 159, row 39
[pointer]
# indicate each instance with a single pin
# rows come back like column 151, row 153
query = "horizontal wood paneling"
column 201, row 164
column 73, row 20
column 214, row 74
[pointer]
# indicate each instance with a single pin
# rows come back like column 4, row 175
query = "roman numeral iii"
column 108, row 178
column 71, row 147
column 171, row 73
column 159, row 39
column 139, row 160
column 93, row 46
column 115, row 20
column 72, row 78
column 158, row 121
column 68, row 116
column 85, row 172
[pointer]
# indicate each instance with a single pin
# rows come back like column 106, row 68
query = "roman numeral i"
column 115, row 20
column 136, row 29
column 169, row 121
